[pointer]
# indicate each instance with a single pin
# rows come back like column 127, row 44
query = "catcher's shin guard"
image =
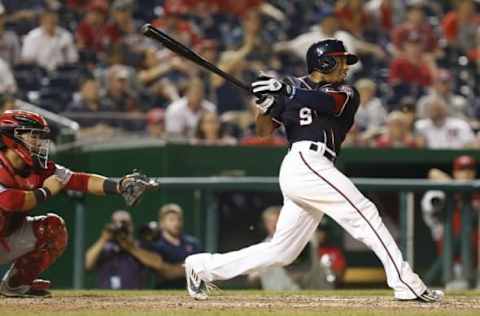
column 52, row 238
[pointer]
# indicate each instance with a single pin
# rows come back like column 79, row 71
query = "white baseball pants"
column 312, row 186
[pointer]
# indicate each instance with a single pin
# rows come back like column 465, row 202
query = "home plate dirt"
column 137, row 301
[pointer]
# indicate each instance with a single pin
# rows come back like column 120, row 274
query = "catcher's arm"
column 131, row 187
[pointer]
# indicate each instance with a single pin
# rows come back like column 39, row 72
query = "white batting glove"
column 265, row 103
column 272, row 85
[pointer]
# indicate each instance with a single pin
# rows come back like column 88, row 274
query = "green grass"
column 237, row 303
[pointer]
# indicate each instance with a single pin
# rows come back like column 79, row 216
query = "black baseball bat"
column 178, row 48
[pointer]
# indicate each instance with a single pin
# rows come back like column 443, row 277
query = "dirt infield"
column 232, row 303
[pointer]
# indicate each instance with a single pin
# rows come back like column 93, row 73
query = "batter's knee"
column 282, row 256
column 51, row 233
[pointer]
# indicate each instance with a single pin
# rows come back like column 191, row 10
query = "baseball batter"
column 28, row 178
column 317, row 111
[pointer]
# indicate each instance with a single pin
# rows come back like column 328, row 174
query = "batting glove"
column 264, row 103
column 271, row 86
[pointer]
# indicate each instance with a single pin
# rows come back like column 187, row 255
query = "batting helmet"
column 26, row 134
column 321, row 56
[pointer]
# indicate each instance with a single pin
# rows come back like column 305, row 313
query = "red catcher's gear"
column 52, row 238
column 26, row 133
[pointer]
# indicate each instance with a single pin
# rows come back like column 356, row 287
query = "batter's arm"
column 264, row 125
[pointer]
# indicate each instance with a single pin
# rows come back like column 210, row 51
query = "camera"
column 119, row 231
column 149, row 232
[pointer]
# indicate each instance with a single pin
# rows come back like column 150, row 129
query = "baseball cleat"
column 196, row 287
column 38, row 288
column 431, row 296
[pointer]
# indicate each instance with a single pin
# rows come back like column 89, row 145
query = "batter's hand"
column 271, row 86
column 264, row 103
column 132, row 186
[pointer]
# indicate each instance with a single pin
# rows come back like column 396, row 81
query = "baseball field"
column 241, row 303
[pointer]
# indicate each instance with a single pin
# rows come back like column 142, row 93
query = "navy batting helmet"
column 320, row 56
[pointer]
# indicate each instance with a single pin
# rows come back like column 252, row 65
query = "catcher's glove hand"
column 133, row 185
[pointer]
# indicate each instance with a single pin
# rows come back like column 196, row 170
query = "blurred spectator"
column 49, row 45
column 156, row 123
column 119, row 95
column 90, row 33
column 439, row 130
column 328, row 28
column 460, row 25
column 7, row 102
column 210, row 131
column 352, row 16
column 158, row 70
column 234, row 62
column 7, row 81
column 23, row 14
column 411, row 71
column 382, row 14
column 9, row 43
column 89, row 101
column 172, row 23
column 122, row 21
column 408, row 107
column 397, row 133
column 272, row 278
column 443, row 88
column 173, row 244
column 330, row 254
column 371, row 113
column 182, row 115
column 122, row 31
column 415, row 25
column 118, row 260
column 433, row 209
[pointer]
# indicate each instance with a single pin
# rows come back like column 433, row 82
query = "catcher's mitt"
column 133, row 185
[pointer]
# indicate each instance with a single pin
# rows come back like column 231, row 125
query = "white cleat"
column 428, row 296
column 431, row 296
column 196, row 287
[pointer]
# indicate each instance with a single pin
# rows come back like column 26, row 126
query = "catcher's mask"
column 26, row 133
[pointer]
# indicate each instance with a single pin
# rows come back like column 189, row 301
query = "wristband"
column 42, row 194
column 110, row 186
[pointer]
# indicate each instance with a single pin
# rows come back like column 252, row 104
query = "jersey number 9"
column 305, row 116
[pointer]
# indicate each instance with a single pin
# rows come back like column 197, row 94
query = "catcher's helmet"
column 321, row 55
column 26, row 133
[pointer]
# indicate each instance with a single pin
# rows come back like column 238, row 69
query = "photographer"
column 118, row 260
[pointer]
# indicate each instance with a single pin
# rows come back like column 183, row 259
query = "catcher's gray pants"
column 313, row 186
column 22, row 241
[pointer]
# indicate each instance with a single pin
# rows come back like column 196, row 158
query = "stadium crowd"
column 86, row 59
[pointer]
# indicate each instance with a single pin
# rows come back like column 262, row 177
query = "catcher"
column 28, row 178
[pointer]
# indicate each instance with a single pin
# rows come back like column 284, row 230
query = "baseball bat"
column 178, row 48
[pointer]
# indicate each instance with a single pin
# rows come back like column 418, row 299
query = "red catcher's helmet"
column 26, row 133
column 464, row 162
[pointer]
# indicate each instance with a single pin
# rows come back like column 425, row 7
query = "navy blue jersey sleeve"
column 317, row 100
